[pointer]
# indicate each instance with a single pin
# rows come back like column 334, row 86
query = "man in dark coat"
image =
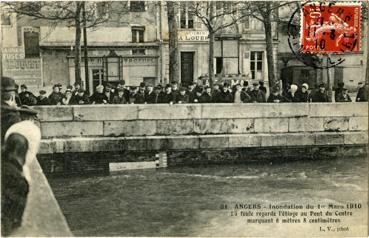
column 321, row 94
column 42, row 100
column 276, row 97
column 226, row 94
column 99, row 97
column 182, row 96
column 150, row 95
column 338, row 90
column 191, row 92
column 362, row 93
column 216, row 94
column 262, row 87
column 14, row 186
column 343, row 96
column 175, row 90
column 140, row 96
column 168, row 97
column 80, row 98
column 55, row 97
column 206, row 96
column 119, row 98
column 26, row 97
column 256, row 94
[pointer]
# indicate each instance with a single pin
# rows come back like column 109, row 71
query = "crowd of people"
column 175, row 94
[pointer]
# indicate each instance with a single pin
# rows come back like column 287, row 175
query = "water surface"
column 187, row 201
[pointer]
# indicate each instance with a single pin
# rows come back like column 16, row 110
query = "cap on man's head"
column 120, row 89
column 42, row 92
column 81, row 90
column 7, row 84
column 261, row 82
column 76, row 83
column 321, row 85
column 23, row 86
column 142, row 85
column 70, row 87
column 360, row 83
column 255, row 83
column 344, row 89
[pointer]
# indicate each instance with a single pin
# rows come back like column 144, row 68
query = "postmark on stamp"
column 330, row 27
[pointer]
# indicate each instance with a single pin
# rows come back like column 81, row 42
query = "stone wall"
column 122, row 128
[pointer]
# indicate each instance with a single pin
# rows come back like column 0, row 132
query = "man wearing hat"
column 262, row 87
column 150, row 95
column 256, row 94
column 18, row 138
column 55, row 97
column 362, row 93
column 120, row 98
column 80, row 98
column 343, row 96
column 321, row 95
column 26, row 97
column 42, row 99
column 182, row 96
column 338, row 90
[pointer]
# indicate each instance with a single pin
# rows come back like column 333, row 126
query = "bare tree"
column 215, row 19
column 173, row 41
column 62, row 13
column 267, row 13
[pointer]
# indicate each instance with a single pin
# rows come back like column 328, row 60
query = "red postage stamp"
column 330, row 27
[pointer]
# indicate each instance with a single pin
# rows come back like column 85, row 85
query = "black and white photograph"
column 174, row 118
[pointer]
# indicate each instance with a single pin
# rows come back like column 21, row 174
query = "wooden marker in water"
column 160, row 162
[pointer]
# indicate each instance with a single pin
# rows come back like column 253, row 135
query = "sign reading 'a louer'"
column 190, row 35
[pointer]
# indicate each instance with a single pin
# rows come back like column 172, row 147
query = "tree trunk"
column 87, row 86
column 269, row 45
column 173, row 42
column 211, row 58
column 77, row 47
column 211, row 46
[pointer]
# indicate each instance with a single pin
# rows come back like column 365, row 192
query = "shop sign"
column 13, row 53
column 24, row 71
column 139, row 61
column 193, row 35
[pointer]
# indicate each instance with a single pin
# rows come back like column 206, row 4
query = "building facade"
column 132, row 47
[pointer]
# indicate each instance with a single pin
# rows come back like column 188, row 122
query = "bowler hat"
column 321, row 85
column 255, row 83
column 7, row 84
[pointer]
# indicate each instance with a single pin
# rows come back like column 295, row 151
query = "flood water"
column 187, row 201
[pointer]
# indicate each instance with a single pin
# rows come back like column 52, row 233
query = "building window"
column 256, row 65
column 186, row 16
column 137, row 6
column 138, row 52
column 5, row 19
column 138, row 34
column 31, row 44
column 218, row 65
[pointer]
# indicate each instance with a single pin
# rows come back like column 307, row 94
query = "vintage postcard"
column 184, row 118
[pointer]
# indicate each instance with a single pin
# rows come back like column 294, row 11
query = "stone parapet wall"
column 200, row 126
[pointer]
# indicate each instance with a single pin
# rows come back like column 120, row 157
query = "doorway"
column 187, row 68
